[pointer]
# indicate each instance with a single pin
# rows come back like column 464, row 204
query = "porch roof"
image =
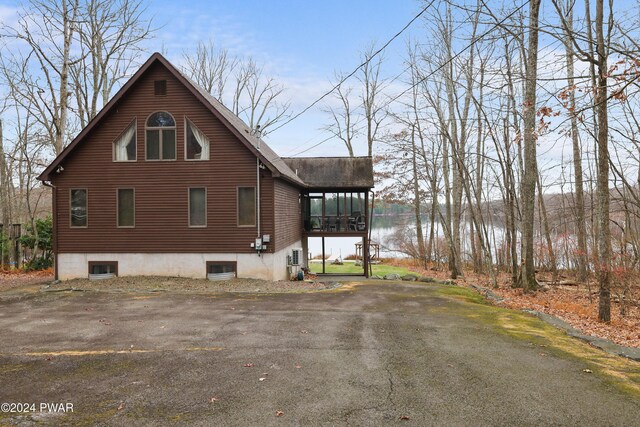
column 333, row 172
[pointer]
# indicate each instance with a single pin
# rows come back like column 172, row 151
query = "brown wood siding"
column 288, row 219
column 161, row 187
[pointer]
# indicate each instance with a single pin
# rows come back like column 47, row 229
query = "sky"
column 302, row 43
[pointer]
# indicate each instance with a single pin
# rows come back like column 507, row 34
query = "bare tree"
column 374, row 110
column 110, row 36
column 344, row 118
column 581, row 225
column 364, row 107
column 41, row 24
column 530, row 178
column 240, row 84
column 210, row 67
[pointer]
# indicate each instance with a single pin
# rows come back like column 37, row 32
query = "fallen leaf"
column 248, row 365
column 279, row 413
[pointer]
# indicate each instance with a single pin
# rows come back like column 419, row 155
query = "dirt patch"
column 185, row 285
column 11, row 279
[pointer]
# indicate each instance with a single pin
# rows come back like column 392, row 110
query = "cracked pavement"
column 375, row 354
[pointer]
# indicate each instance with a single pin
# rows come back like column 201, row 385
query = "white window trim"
column 160, row 141
column 86, row 190
column 118, row 207
column 255, row 221
column 189, row 207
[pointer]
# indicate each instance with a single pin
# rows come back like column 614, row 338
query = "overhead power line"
column 469, row 46
column 420, row 81
column 348, row 76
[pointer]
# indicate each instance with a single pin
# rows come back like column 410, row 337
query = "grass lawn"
column 351, row 268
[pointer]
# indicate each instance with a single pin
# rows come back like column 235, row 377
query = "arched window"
column 161, row 136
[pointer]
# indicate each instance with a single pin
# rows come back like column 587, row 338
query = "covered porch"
column 335, row 202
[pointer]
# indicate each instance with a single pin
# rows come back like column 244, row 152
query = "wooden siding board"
column 161, row 200
column 288, row 218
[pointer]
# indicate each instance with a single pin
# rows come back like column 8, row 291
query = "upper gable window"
column 124, row 148
column 161, row 136
column 160, row 87
column 196, row 143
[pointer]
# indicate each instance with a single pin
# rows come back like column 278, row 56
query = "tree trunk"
column 4, row 195
column 602, row 179
column 527, row 273
column 416, row 201
column 581, row 226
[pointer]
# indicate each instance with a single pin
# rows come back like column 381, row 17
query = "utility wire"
column 366, row 62
column 420, row 81
column 469, row 46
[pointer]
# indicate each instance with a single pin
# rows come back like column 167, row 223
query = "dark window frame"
column 188, row 122
column 159, row 129
column 234, row 264
column 160, row 87
column 133, row 123
column 255, row 207
column 93, row 263
column 86, row 207
column 189, row 207
column 118, row 207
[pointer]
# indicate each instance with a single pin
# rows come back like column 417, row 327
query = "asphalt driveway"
column 375, row 354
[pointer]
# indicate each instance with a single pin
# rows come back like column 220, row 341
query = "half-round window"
column 160, row 119
column 161, row 136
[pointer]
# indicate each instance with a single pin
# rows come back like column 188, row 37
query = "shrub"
column 40, row 244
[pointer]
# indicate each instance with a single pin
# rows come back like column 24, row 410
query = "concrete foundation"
column 270, row 266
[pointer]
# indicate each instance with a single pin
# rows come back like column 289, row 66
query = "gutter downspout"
column 258, row 134
column 55, row 226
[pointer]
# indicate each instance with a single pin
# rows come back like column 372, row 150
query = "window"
column 246, row 206
column 161, row 137
column 196, row 143
column 78, row 202
column 160, row 87
column 102, row 269
column 126, row 207
column 197, row 207
column 124, row 149
column 221, row 270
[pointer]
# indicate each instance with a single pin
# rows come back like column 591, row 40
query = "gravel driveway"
column 375, row 354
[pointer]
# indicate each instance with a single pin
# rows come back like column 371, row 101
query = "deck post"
column 323, row 270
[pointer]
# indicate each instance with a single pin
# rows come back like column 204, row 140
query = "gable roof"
column 258, row 147
column 333, row 172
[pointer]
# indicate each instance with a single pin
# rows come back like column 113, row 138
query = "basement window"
column 221, row 270
column 102, row 269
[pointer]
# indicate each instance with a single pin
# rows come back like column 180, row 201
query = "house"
column 167, row 181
